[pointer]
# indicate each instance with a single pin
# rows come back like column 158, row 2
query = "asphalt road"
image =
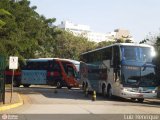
column 44, row 102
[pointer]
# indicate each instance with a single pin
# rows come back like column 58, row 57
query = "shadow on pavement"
column 78, row 94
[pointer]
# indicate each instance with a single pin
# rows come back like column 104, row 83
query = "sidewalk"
column 16, row 101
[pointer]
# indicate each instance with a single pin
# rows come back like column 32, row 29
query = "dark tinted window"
column 99, row 55
column 116, row 56
column 54, row 66
column 135, row 53
column 36, row 66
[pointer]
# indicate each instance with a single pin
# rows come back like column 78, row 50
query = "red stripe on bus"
column 11, row 73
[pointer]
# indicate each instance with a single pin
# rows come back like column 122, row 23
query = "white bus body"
column 124, row 70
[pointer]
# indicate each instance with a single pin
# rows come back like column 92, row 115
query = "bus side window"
column 116, row 57
column 107, row 54
column 56, row 67
column 28, row 66
column 70, row 71
column 116, row 62
column 50, row 65
column 45, row 66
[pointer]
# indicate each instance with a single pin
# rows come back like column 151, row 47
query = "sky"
column 140, row 17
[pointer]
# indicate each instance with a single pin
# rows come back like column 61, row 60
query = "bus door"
column 71, row 75
column 116, row 70
column 53, row 73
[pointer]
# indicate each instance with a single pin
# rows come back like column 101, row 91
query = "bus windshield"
column 135, row 53
column 139, row 76
column 148, row 77
column 69, row 69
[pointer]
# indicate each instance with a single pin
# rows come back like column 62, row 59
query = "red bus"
column 45, row 71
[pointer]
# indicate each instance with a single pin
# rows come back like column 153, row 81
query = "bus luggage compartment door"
column 35, row 77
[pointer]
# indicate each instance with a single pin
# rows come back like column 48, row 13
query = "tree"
column 104, row 43
column 27, row 34
column 143, row 41
column 124, row 39
column 3, row 12
column 69, row 46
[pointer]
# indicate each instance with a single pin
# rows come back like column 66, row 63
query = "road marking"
column 10, row 106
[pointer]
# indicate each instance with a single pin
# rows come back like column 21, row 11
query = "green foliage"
column 120, row 40
column 2, row 23
column 3, row 13
column 68, row 46
column 143, row 41
column 26, row 34
column 104, row 43
column 124, row 39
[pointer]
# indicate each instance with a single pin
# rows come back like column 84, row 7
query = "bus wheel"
column 86, row 85
column 26, row 85
column 103, row 91
column 59, row 85
column 83, row 86
column 15, row 83
column 69, row 87
column 140, row 100
column 133, row 99
column 109, row 92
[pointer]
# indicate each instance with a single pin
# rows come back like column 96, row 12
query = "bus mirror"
column 144, row 68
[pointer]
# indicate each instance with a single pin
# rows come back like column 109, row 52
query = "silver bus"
column 122, row 69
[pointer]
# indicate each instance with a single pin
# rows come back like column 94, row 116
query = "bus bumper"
column 128, row 94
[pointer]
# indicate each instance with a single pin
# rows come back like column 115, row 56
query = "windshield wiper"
column 147, row 65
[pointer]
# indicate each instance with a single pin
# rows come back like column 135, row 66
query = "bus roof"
column 119, row 44
column 37, row 60
column 73, row 61
column 48, row 59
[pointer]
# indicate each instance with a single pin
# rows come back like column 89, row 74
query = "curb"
column 14, row 105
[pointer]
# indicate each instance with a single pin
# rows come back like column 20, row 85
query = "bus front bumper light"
column 129, row 94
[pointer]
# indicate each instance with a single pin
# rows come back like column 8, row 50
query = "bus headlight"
column 153, row 53
column 124, row 89
column 130, row 89
column 154, row 91
column 127, row 89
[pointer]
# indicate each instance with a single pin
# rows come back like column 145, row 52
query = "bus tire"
column 59, row 85
column 69, row 87
column 15, row 83
column 83, row 86
column 86, row 86
column 109, row 92
column 104, row 94
column 140, row 100
column 133, row 99
column 26, row 85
